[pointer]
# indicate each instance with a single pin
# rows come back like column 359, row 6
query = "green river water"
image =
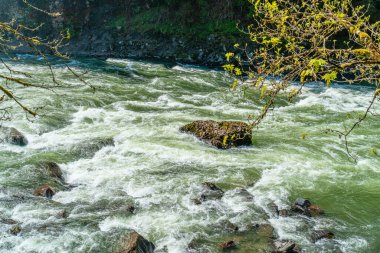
column 140, row 106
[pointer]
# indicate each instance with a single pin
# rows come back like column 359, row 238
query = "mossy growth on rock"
column 223, row 135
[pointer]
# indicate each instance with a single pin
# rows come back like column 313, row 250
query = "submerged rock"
column 63, row 214
column 210, row 192
column 8, row 221
column 262, row 230
column 321, row 234
column 286, row 247
column 229, row 226
column 135, row 243
column 13, row 136
column 193, row 245
column 223, row 135
column 283, row 213
column 15, row 230
column 265, row 230
column 90, row 147
column 212, row 187
column 228, row 245
column 52, row 169
column 245, row 194
column 274, row 210
column 44, row 191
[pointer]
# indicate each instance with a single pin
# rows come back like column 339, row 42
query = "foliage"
column 298, row 41
column 194, row 19
column 14, row 36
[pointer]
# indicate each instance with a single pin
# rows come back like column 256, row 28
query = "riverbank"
column 197, row 32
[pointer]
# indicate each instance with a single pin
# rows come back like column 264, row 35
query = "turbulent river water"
column 157, row 169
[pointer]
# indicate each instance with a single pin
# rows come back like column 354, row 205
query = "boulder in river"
column 223, row 135
column 52, row 169
column 15, row 230
column 44, row 191
column 321, row 234
column 135, row 243
column 305, row 207
column 15, row 137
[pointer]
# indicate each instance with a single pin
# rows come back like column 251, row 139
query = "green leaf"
column 329, row 77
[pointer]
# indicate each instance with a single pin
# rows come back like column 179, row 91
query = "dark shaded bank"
column 187, row 31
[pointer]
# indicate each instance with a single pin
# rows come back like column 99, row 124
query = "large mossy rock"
column 223, row 135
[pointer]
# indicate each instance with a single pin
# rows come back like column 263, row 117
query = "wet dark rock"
column 285, row 247
column 244, row 193
column 305, row 207
column 8, row 221
column 192, row 245
column 274, row 210
column 283, row 213
column 301, row 210
column 297, row 249
column 197, row 201
column 62, row 214
column 315, row 210
column 210, row 192
column 15, row 137
column 89, row 148
column 126, row 209
column 130, row 208
column 228, row 245
column 164, row 249
column 211, row 195
column 302, row 202
column 223, row 135
column 321, row 234
column 15, row 230
column 135, row 243
column 44, row 191
column 52, row 169
column 212, row 187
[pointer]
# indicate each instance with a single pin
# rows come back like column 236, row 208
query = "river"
column 152, row 166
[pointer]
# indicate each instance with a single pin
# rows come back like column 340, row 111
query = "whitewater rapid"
column 157, row 169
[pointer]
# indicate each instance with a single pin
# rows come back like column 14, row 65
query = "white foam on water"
column 336, row 99
column 160, row 170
